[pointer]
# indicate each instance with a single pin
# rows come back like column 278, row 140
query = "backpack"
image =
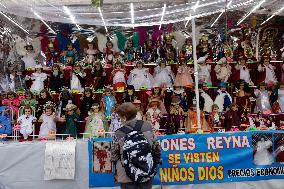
column 138, row 160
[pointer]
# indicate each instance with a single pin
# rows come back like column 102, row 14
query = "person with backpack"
column 135, row 151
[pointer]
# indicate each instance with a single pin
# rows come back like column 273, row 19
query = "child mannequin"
column 94, row 121
column 108, row 102
column 223, row 70
column 48, row 125
column 183, row 77
column 26, row 122
column 77, row 79
column 163, row 76
column 38, row 79
column 262, row 99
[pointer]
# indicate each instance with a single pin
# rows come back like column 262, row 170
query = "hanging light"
column 195, row 6
column 11, row 20
column 99, row 8
column 71, row 16
column 254, row 9
column 274, row 14
column 217, row 18
column 163, row 13
column 39, row 17
column 132, row 14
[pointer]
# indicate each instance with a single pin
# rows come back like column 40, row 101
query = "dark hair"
column 49, row 108
column 127, row 110
column 29, row 93
column 28, row 107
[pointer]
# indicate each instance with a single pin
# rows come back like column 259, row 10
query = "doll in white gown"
column 204, row 71
column 38, row 79
column 262, row 156
column 77, row 79
column 48, row 122
column 163, row 76
column 29, row 58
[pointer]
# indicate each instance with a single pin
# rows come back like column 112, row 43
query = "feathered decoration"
column 156, row 36
column 102, row 40
column 180, row 39
column 121, row 40
column 142, row 35
column 135, row 40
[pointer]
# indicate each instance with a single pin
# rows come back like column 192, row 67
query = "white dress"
column 140, row 78
column 48, row 124
column 244, row 73
column 220, row 99
column 262, row 101
column 155, row 118
column 163, row 77
column 29, row 60
column 118, row 76
column 281, row 99
column 208, row 101
column 26, row 125
column 204, row 73
column 75, row 82
column 95, row 124
column 38, row 81
column 269, row 73
column 223, row 73
column 262, row 155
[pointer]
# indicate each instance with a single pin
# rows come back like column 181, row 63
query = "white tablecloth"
column 21, row 167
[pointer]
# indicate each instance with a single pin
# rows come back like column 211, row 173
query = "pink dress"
column 162, row 105
column 183, row 77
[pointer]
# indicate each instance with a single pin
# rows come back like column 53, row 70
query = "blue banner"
column 217, row 157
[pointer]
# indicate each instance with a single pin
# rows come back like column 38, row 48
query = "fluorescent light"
column 229, row 4
column 102, row 18
column 132, row 14
column 254, row 9
column 188, row 19
column 3, row 5
column 163, row 13
column 39, row 17
column 274, row 14
column 195, row 6
column 71, row 16
column 217, row 18
column 10, row 19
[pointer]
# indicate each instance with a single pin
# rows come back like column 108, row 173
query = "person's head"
column 28, row 110
column 11, row 95
column 28, row 95
column 109, row 45
column 139, row 64
column 95, row 108
column 48, row 110
column 69, row 47
column 215, row 108
column 126, row 111
column 88, row 92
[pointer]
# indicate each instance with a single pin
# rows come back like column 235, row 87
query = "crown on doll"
column 169, row 37
column 204, row 37
column 50, row 104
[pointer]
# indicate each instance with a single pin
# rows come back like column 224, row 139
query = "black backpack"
column 138, row 160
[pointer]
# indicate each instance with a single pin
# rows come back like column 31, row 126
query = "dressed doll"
column 5, row 122
column 29, row 99
column 176, row 115
column 191, row 121
column 266, row 71
column 204, row 47
column 262, row 154
column 48, row 124
column 208, row 102
column 223, row 70
column 4, row 82
column 71, row 118
column 154, row 114
column 18, row 79
column 187, row 49
column 51, row 54
column 282, row 72
column 56, row 79
column 109, row 53
column 149, row 52
column 140, row 114
column 38, row 79
column 99, row 75
column 92, row 54
column 13, row 103
column 262, row 99
column 183, row 77
column 216, row 118
column 129, row 96
column 140, row 77
column 72, row 52
column 181, row 94
column 86, row 103
column 77, row 79
column 129, row 51
column 44, row 98
column 242, row 71
column 163, row 76
column 168, row 51
column 29, row 58
column 204, row 71
column 115, row 123
column 223, row 98
column 263, row 123
column 232, row 118
column 65, row 98
column 95, row 122
column 158, row 95
column 26, row 122
column 108, row 102
column 242, row 95
column 118, row 74
column 281, row 96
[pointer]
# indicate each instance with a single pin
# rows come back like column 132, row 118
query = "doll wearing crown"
column 149, row 52
column 266, row 71
column 52, row 56
column 94, row 122
column 29, row 58
column 223, row 70
column 168, row 51
column 262, row 99
column 187, row 49
column 242, row 71
column 154, row 114
column 204, row 71
column 163, row 76
column 77, row 79
column 38, row 79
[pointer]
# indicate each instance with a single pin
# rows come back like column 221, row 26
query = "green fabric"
column 121, row 40
column 135, row 39
column 71, row 125
column 31, row 102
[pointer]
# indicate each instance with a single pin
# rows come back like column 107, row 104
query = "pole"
column 195, row 72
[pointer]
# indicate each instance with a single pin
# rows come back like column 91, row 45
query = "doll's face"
column 30, row 50
column 109, row 45
column 88, row 94
column 69, row 47
column 223, row 88
column 97, row 66
column 138, row 106
column 156, row 90
column 266, row 61
column 129, row 44
column 169, row 41
column 69, row 60
column 130, row 92
column 77, row 69
column 234, row 108
column 118, row 66
column 139, row 66
column 70, row 112
column 242, row 86
column 242, row 62
column 215, row 109
column 28, row 112
column 11, row 97
column 188, row 42
column 108, row 93
column 38, row 70
column 149, row 43
column 90, row 46
column 154, row 106
column 48, row 112
column 262, row 88
column 28, row 96
column 43, row 95
column 95, row 109
column 163, row 64
column 55, row 69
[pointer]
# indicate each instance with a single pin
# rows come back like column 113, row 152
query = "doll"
column 92, row 53
column 56, row 79
column 176, row 115
column 38, row 79
column 140, row 77
column 5, row 122
column 232, row 118
column 191, row 121
column 267, row 73
column 187, row 49
column 208, row 102
column 99, row 76
column 204, row 71
column 44, row 97
column 168, row 52
column 13, row 103
column 223, row 70
column 149, row 52
column 262, row 154
column 243, row 72
column 5, row 84
column 118, row 74
column 154, row 114
column 95, row 122
column 72, row 52
column 65, row 98
column 129, row 96
column 29, row 99
column 109, row 53
column 29, row 58
column 115, row 123
column 281, row 96
column 51, row 54
column 204, row 47
column 77, row 79
column 216, row 118
column 183, row 77
column 140, row 114
column 242, row 95
column 129, row 51
column 48, row 120
column 86, row 103
column 71, row 118
column 263, row 123
column 158, row 95
column 163, row 76
column 18, row 80
column 223, row 98
column 108, row 102
column 181, row 94
column 26, row 122
column 262, row 99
